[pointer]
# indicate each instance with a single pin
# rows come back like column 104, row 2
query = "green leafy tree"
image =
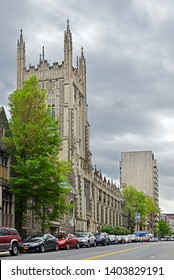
column 136, row 201
column 150, row 211
column 151, row 207
column 164, row 228
column 39, row 177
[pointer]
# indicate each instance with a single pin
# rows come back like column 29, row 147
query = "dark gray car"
column 102, row 238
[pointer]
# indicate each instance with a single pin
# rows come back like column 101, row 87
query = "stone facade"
column 7, row 216
column 98, row 201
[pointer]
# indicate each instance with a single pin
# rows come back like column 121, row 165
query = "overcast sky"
column 129, row 51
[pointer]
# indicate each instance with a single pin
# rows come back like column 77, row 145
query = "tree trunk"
column 19, row 213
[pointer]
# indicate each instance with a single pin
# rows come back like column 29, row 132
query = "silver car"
column 113, row 239
column 86, row 239
column 133, row 237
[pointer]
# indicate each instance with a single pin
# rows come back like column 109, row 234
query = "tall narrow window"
column 51, row 102
column 53, row 112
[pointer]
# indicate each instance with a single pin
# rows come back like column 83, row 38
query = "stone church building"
column 98, row 200
column 7, row 208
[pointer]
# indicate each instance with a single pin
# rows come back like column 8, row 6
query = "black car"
column 102, row 238
column 39, row 243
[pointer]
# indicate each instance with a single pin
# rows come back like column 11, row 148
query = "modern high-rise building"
column 140, row 169
column 98, row 200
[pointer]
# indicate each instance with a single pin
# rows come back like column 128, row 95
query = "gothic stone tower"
column 66, row 87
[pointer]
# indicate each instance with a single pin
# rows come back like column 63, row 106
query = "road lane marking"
column 116, row 252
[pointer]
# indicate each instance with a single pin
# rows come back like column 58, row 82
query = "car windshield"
column 61, row 236
column 81, row 235
column 99, row 234
column 35, row 237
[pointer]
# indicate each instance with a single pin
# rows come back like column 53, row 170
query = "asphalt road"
column 163, row 250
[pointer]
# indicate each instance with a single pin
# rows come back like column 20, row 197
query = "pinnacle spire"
column 68, row 28
column 21, row 35
column 20, row 60
column 68, row 45
column 82, row 54
column 43, row 53
column 77, row 63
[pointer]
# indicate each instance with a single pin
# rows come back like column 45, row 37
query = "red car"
column 10, row 240
column 67, row 241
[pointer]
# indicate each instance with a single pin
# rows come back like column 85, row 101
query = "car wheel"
column 15, row 249
column 56, row 247
column 78, row 246
column 67, row 246
column 42, row 248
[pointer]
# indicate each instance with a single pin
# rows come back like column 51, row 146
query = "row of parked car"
column 167, row 238
column 10, row 240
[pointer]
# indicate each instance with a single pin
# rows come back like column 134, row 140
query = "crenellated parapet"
column 44, row 69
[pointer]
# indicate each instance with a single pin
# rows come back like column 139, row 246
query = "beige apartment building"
column 140, row 169
column 98, row 200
